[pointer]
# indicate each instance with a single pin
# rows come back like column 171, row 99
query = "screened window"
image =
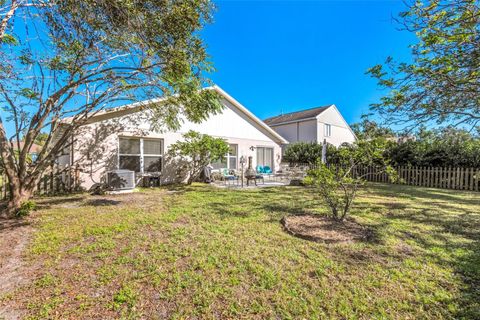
column 265, row 157
column 232, row 156
column 328, row 130
column 140, row 155
column 229, row 161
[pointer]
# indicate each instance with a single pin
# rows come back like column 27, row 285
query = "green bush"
column 25, row 208
column 437, row 148
column 337, row 184
column 306, row 152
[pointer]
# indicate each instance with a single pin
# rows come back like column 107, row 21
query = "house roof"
column 134, row 107
column 296, row 116
column 276, row 137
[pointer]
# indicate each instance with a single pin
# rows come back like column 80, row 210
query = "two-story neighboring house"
column 313, row 125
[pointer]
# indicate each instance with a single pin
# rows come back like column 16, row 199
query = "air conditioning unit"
column 121, row 180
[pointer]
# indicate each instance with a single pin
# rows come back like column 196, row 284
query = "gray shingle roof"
column 296, row 116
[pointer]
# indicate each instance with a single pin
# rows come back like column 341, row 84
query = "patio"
column 281, row 178
column 237, row 184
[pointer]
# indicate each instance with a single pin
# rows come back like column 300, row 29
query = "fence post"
column 424, row 176
column 477, row 179
column 471, row 175
column 430, row 175
column 441, row 177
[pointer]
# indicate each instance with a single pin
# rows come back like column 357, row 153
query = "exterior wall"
column 298, row 131
column 340, row 131
column 314, row 130
column 96, row 151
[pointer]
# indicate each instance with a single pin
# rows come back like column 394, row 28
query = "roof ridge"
column 303, row 110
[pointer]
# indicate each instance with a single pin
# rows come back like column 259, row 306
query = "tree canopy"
column 75, row 58
column 437, row 148
column 442, row 83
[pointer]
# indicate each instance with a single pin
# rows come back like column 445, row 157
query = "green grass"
column 202, row 252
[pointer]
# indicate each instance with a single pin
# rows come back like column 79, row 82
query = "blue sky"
column 276, row 56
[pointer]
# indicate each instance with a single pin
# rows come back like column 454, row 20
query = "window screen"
column 130, row 163
column 133, row 157
column 129, row 146
column 152, row 146
column 152, row 164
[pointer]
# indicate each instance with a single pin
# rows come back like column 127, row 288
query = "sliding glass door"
column 265, row 157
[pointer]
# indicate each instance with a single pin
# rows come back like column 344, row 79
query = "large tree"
column 441, row 85
column 74, row 58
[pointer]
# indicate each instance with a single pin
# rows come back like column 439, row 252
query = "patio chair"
column 264, row 172
column 229, row 176
column 267, row 170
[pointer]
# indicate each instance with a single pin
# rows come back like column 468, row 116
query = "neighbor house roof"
column 296, row 116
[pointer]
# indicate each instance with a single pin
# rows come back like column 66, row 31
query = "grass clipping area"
column 209, row 253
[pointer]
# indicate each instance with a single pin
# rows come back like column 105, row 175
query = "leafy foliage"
column 437, row 148
column 337, row 184
column 25, row 208
column 442, row 83
column 74, row 59
column 196, row 152
column 305, row 152
column 370, row 129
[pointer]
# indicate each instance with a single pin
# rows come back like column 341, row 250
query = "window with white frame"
column 229, row 161
column 140, row 154
column 328, row 130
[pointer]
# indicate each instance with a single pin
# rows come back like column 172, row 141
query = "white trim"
column 247, row 112
column 131, row 108
column 142, row 154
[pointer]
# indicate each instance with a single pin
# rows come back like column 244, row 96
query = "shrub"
column 336, row 187
column 25, row 208
column 197, row 151
column 306, row 152
column 338, row 184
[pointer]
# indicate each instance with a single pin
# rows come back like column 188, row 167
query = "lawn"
column 200, row 252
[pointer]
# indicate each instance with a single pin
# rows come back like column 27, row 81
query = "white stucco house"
column 123, row 138
column 313, row 125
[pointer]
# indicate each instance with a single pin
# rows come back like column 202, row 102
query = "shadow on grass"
column 47, row 203
column 101, row 202
column 455, row 223
column 426, row 225
column 423, row 193
column 12, row 223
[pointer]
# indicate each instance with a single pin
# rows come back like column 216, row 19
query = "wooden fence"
column 432, row 177
column 49, row 184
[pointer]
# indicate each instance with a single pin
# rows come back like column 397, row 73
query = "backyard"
column 203, row 252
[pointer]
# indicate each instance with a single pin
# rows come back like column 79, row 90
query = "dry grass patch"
column 324, row 229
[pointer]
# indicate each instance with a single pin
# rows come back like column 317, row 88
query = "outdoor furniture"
column 267, row 170
column 254, row 178
column 264, row 171
column 150, row 180
column 229, row 176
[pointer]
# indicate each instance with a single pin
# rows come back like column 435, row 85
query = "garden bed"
column 321, row 228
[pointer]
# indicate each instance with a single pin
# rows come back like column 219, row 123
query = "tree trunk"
column 18, row 194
